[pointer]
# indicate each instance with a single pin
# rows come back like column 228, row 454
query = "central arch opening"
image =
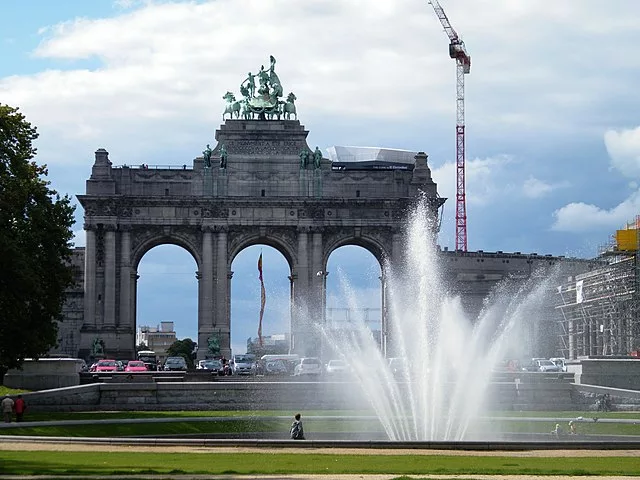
column 166, row 298
column 246, row 301
column 354, row 290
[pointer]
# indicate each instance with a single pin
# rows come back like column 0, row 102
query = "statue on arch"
column 213, row 344
column 304, row 158
column 223, row 157
column 317, row 158
column 206, row 154
column 97, row 348
column 276, row 86
column 249, row 86
column 289, row 107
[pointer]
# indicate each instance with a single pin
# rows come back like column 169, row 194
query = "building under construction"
column 598, row 310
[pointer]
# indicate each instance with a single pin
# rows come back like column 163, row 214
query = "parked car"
column 274, row 367
column 337, row 367
column 542, row 365
column 175, row 363
column 244, row 364
column 560, row 362
column 308, row 366
column 211, row 365
column 106, row 365
column 135, row 366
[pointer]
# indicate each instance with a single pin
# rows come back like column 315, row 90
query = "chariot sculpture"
column 261, row 100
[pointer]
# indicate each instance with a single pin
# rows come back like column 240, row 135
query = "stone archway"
column 261, row 193
column 377, row 243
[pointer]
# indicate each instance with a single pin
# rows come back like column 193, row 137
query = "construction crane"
column 458, row 52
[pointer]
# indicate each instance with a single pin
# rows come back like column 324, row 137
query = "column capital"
column 207, row 228
column 125, row 228
column 90, row 226
column 109, row 227
column 221, row 228
column 230, row 275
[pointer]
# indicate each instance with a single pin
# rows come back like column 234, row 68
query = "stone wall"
column 621, row 373
column 45, row 373
column 544, row 394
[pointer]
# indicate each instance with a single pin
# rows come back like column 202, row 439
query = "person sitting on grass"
column 297, row 432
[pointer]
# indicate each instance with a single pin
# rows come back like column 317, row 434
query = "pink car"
column 107, row 366
column 135, row 366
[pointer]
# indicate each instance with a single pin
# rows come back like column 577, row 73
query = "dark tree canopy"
column 35, row 236
column 183, row 348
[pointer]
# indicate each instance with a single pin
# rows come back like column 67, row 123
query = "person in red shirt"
column 19, row 407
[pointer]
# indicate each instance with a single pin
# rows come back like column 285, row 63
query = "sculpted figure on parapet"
column 317, row 158
column 223, row 156
column 304, row 158
column 207, row 156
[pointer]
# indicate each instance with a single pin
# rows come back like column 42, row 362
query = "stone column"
column 90, row 276
column 109, row 276
column 384, row 329
column 300, row 317
column 221, row 286
column 125, row 277
column 318, row 276
column 205, row 322
column 397, row 250
column 133, row 307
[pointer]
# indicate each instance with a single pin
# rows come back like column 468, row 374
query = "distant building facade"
column 158, row 339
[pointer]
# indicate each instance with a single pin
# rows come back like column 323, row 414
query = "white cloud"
column 583, row 217
column 164, row 66
column 536, row 188
column 482, row 176
column 624, row 150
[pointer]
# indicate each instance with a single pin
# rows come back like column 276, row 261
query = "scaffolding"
column 598, row 310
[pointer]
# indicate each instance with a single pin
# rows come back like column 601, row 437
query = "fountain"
column 447, row 358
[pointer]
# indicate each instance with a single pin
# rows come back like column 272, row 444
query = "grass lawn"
column 235, row 422
column 110, row 463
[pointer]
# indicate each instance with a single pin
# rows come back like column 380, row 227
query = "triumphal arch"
column 260, row 184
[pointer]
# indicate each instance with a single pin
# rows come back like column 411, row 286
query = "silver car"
column 308, row 366
column 547, row 366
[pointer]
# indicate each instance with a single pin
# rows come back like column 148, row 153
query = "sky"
column 552, row 123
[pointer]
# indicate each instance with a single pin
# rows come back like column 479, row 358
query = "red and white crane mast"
column 458, row 52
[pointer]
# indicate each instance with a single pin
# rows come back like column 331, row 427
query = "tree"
column 141, row 347
column 35, row 248
column 183, row 348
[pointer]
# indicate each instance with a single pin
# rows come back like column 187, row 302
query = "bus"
column 149, row 358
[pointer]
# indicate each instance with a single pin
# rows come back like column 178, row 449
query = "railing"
column 144, row 166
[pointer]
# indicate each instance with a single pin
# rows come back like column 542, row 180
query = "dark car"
column 175, row 363
column 210, row 365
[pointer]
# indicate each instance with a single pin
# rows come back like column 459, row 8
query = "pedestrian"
column 19, row 407
column 557, row 431
column 297, row 432
column 7, row 408
column 572, row 427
